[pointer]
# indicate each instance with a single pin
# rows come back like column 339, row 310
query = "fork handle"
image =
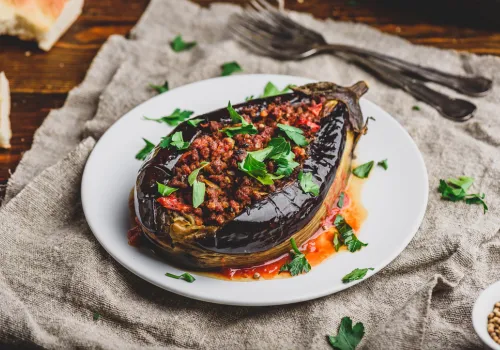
column 451, row 108
column 472, row 86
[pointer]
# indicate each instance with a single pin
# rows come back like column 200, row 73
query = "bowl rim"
column 480, row 313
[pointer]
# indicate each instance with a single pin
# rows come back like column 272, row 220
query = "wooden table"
column 40, row 81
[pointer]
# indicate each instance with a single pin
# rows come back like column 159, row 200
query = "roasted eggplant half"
column 231, row 188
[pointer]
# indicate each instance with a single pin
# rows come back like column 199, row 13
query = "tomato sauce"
column 318, row 248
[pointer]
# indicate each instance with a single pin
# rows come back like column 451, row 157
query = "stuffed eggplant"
column 231, row 188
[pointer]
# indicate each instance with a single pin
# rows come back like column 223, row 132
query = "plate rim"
column 291, row 300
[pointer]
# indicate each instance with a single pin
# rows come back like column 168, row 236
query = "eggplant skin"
column 262, row 231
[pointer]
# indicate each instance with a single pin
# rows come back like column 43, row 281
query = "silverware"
column 269, row 32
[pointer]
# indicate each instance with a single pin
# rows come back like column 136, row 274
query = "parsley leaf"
column 347, row 235
column 143, row 153
column 179, row 45
column 307, row 184
column 271, row 90
column 286, row 164
column 295, row 134
column 299, row 263
column 96, row 316
column 198, row 187
column 336, row 242
column 383, row 164
column 340, row 203
column 355, row 274
column 280, row 147
column 173, row 119
column 245, row 128
column 363, row 170
column 248, row 98
column 160, row 88
column 348, row 337
column 456, row 190
column 477, row 198
column 257, row 169
column 165, row 190
column 416, row 108
column 176, row 140
column 229, row 68
column 185, row 276
column 195, row 122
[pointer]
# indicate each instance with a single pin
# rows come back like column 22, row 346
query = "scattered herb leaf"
column 307, row 184
column 257, row 169
column 173, row 119
column 415, row 108
column 477, row 198
column 195, row 122
column 248, row 98
column 340, row 203
column 229, row 68
column 245, row 128
column 160, row 88
column 348, row 337
column 347, row 234
column 165, row 190
column 96, row 316
column 363, row 170
column 178, row 44
column 456, row 190
column 298, row 264
column 198, row 193
column 143, row 153
column 355, row 274
column 271, row 90
column 194, row 174
column 295, row 134
column 383, row 164
column 185, row 276
column 336, row 242
column 175, row 141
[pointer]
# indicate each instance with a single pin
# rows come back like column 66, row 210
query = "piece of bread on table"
column 5, row 131
column 42, row 20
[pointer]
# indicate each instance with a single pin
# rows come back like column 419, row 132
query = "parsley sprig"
column 173, row 119
column 355, row 275
column 298, row 264
column 145, row 151
column 271, row 90
column 198, row 186
column 229, row 68
column 294, row 134
column 348, row 337
column 185, row 276
column 456, row 190
column 236, row 118
column 160, row 88
column 178, row 44
column 307, row 184
column 174, row 141
column 346, row 236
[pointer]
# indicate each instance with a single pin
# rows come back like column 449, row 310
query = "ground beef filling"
column 229, row 190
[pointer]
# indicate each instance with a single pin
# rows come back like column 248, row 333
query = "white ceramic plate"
column 482, row 307
column 396, row 199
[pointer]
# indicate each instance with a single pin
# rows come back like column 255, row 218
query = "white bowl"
column 483, row 306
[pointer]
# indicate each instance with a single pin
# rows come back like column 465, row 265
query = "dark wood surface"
column 40, row 81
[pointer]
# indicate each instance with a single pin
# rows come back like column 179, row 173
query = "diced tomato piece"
column 172, row 202
column 316, row 109
column 304, row 121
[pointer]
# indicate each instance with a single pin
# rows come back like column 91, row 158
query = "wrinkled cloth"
column 54, row 274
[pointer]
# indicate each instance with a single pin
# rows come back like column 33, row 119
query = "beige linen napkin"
column 54, row 275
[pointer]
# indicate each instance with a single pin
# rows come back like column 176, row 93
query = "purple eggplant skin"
column 262, row 231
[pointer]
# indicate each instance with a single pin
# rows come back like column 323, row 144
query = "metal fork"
column 270, row 32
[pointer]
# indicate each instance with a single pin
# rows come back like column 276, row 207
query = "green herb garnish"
column 179, row 45
column 271, row 90
column 173, row 119
column 340, row 203
column 355, row 274
column 165, row 190
column 348, row 337
column 143, row 153
column 185, row 276
column 198, row 187
column 96, row 316
column 415, row 108
column 383, row 164
column 299, row 263
column 336, row 242
column 195, row 122
column 248, row 98
column 229, row 68
column 257, row 169
column 174, row 141
column 307, row 184
column 160, row 88
column 295, row 134
column 363, row 170
column 456, row 190
column 347, row 235
column 245, row 128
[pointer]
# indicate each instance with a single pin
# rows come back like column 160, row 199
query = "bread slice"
column 42, row 20
column 5, row 131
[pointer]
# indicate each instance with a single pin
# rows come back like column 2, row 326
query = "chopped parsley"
column 248, row 98
column 340, row 203
column 257, row 169
column 165, row 190
column 383, row 164
column 307, row 184
column 185, row 276
column 96, row 316
column 229, row 68
column 245, row 128
column 160, row 88
column 347, row 236
column 174, row 141
column 173, row 119
column 456, row 190
column 355, row 275
column 416, row 108
column 348, row 337
column 178, row 44
column 295, row 134
column 298, row 264
column 363, row 170
column 143, row 153
column 271, row 90
column 195, row 122
column 198, row 187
